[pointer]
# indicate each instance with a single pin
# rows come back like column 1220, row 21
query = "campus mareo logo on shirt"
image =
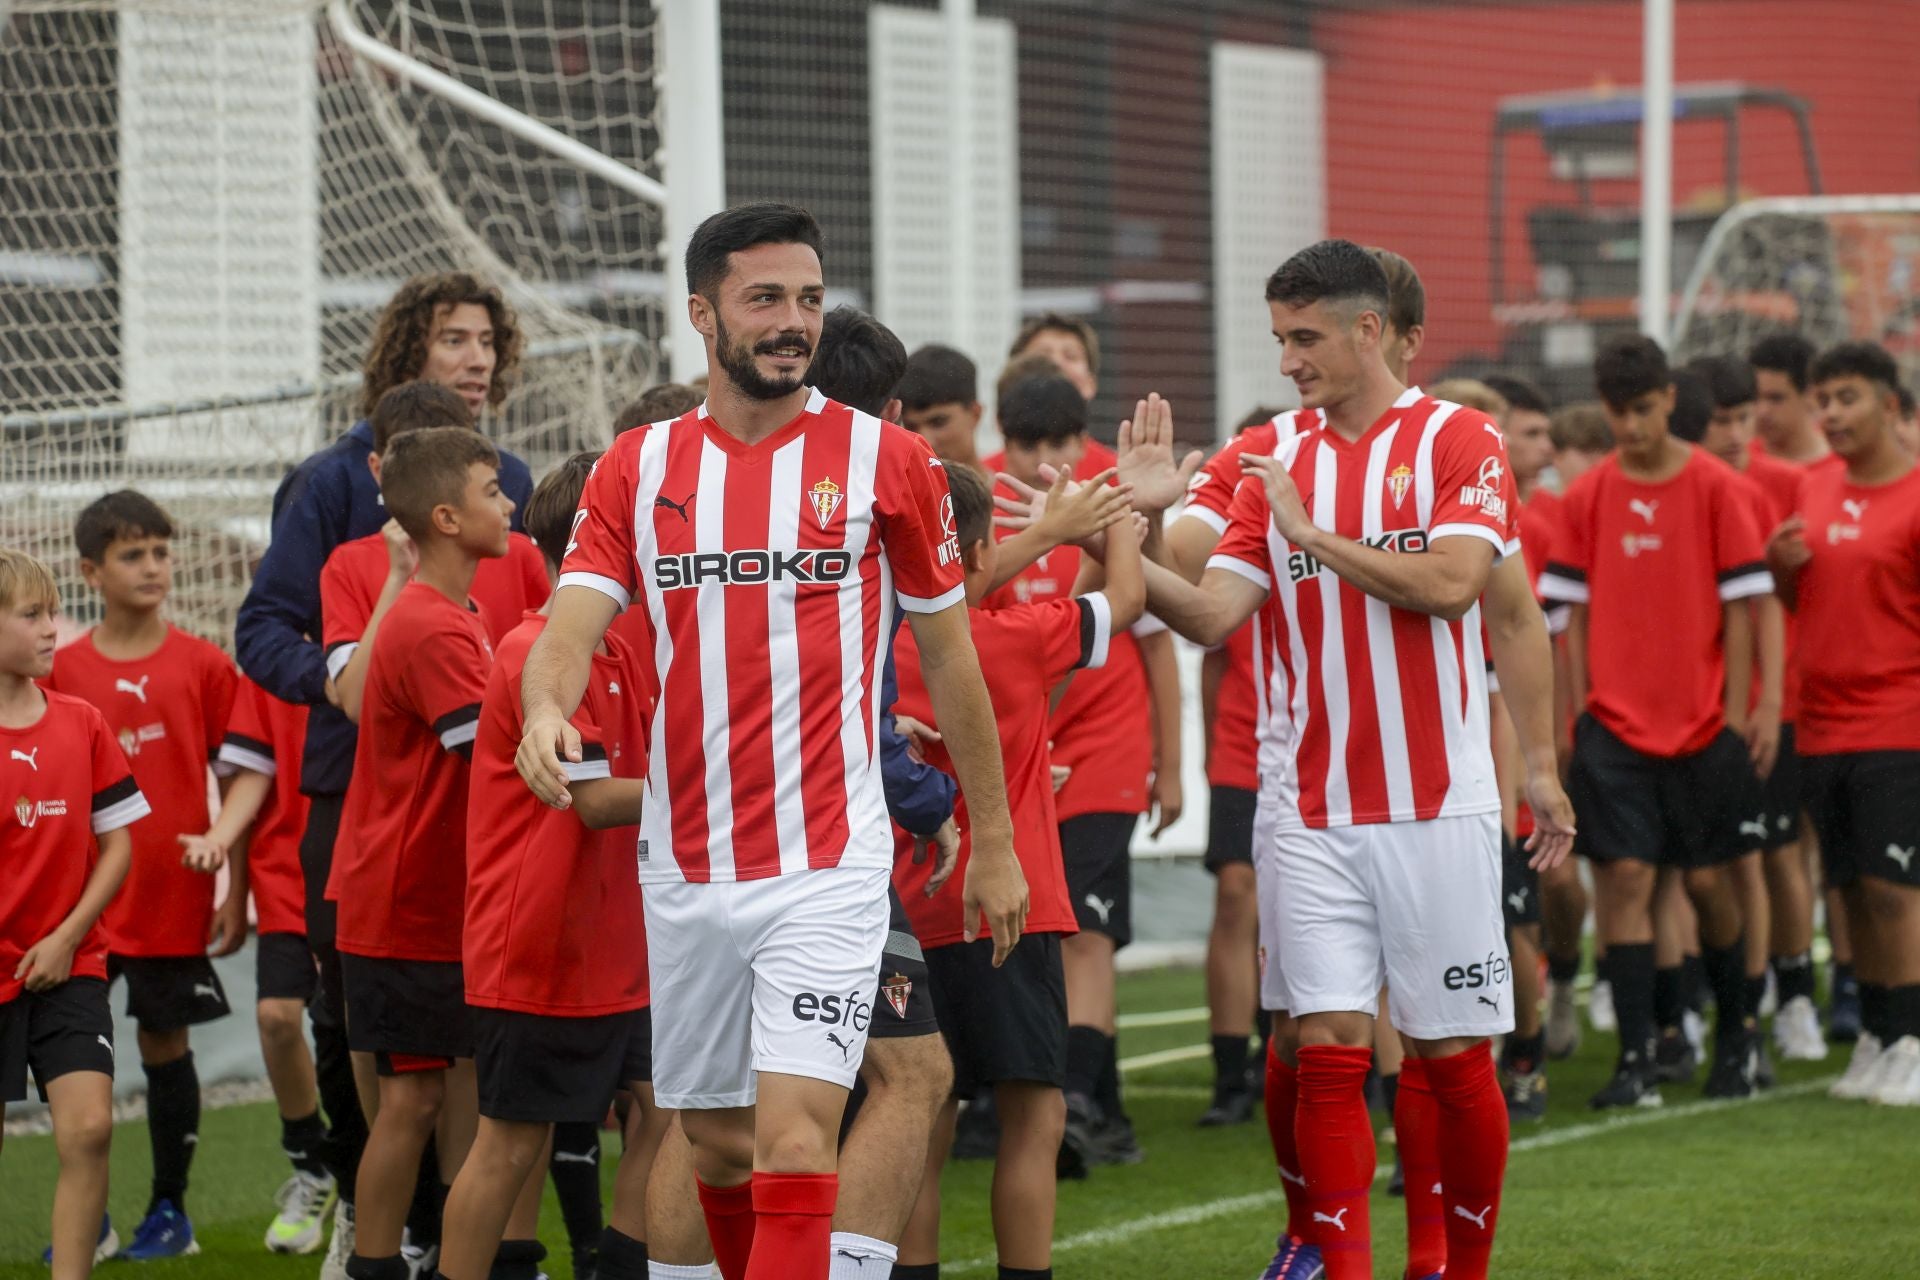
column 29, row 812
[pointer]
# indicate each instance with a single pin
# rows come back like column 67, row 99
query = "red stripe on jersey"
column 826, row 460
column 1425, row 736
column 1365, row 753
column 680, row 685
column 747, row 513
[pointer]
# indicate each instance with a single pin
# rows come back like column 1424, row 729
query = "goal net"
column 207, row 203
column 1831, row 268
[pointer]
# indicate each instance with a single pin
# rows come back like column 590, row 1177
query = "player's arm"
column 1206, row 612
column 350, row 683
column 1186, row 544
column 1068, row 511
column 1787, row 554
column 1523, row 659
column 1576, row 665
column 1736, row 642
column 1163, row 688
column 241, row 800
column 603, row 803
column 277, row 617
column 552, row 684
column 950, row 669
column 227, row 932
column 1508, row 766
column 49, row 962
column 1770, row 649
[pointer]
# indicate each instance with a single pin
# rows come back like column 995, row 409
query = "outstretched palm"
column 1146, row 457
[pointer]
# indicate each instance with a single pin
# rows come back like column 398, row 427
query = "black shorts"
column 52, row 1033
column 412, row 1015
column 283, row 967
column 539, row 1069
column 1094, row 847
column 166, row 993
column 903, row 1002
column 1780, row 794
column 1519, row 884
column 1865, row 806
column 1230, row 827
column 1002, row 1024
column 1701, row 810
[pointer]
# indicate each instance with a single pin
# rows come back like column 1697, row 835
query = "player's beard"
column 737, row 362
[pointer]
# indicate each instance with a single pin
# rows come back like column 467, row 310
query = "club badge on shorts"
column 897, row 987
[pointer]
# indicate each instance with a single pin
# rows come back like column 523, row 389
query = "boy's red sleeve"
column 444, row 683
column 346, row 606
column 117, row 799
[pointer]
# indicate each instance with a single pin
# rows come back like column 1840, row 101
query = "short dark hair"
column 858, row 362
column 1729, row 380
column 1058, row 322
column 1042, row 409
column 724, row 234
column 1628, row 368
column 938, row 375
column 1692, row 407
column 425, row 469
column 1406, row 296
column 1336, row 271
column 550, row 511
column 416, row 404
column 1787, row 353
column 1867, row 360
column 662, row 402
column 972, row 505
column 1908, row 406
column 1520, row 393
column 1581, row 425
column 1019, row 369
column 124, row 513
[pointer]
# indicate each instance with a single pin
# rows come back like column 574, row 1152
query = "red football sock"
column 1416, row 1126
column 729, row 1212
column 1283, row 1100
column 1473, row 1155
column 794, row 1238
column 1335, row 1136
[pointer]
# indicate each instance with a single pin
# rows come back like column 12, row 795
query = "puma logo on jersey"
column 613, row 688
column 1102, row 907
column 844, row 1047
column 1755, row 827
column 1338, row 1221
column 1477, row 1219
column 574, row 1157
column 138, row 690
column 28, row 756
column 1855, row 508
column 1902, row 856
column 1288, row 1175
column 678, row 508
column 1645, row 508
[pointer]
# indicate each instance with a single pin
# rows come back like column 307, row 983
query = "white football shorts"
column 1267, row 894
column 762, row 975
column 1414, row 903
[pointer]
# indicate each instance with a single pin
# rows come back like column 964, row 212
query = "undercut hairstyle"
column 1907, row 402
column 1692, row 407
column 399, row 348
column 1521, row 393
column 1406, row 296
column 715, row 241
column 25, row 581
column 1471, row 393
column 422, row 470
column 1257, row 415
column 1583, row 426
column 938, row 375
column 1729, row 380
column 1629, row 368
column 124, row 513
column 1058, row 322
column 1787, row 353
column 1043, row 409
column 1019, row 369
column 1867, row 360
column 972, row 505
column 1337, row 271
column 413, row 405
column 662, row 402
column 550, row 511
column 858, row 361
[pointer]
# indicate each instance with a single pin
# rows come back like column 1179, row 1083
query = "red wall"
column 1411, row 93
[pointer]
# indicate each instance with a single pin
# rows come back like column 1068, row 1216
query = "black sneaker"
column 1116, row 1143
column 1526, row 1095
column 1230, row 1106
column 1843, row 1012
column 1080, row 1145
column 1673, row 1058
column 586, row 1263
column 1630, row 1087
column 1735, row 1064
column 976, row 1134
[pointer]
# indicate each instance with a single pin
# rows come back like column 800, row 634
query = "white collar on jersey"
column 816, row 401
column 1411, row 395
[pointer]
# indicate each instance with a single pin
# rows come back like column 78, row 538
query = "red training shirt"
column 266, row 736
column 400, row 864
column 554, row 924
column 169, row 711
column 69, row 782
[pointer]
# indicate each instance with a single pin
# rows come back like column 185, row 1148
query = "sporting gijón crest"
column 897, row 988
column 826, row 497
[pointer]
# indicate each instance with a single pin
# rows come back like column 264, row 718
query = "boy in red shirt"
column 399, row 870
column 166, row 695
column 1007, row 1027
column 1657, row 552
column 72, row 787
column 560, row 1017
column 1849, row 567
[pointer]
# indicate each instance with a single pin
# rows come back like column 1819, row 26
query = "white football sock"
column 861, row 1257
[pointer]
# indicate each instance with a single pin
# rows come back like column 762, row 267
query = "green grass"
column 1791, row 1185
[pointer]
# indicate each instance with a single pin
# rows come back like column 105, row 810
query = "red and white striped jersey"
column 1385, row 708
column 769, row 574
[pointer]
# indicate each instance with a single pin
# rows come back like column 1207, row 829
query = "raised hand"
column 1146, row 457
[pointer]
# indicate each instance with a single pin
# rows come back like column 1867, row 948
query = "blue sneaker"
column 1295, row 1260
column 108, row 1246
column 166, row 1233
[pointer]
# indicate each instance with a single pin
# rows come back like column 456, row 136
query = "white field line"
column 1162, row 1018
column 1190, row 1215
